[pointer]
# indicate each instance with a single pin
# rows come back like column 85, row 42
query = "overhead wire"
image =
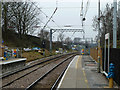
column 42, row 12
column 81, row 10
column 49, row 18
column 87, row 6
column 81, row 17
column 83, row 14
column 64, row 7
column 47, row 15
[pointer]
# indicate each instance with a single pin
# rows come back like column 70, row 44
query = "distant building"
column 77, row 40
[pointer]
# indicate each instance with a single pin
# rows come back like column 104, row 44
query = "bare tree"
column 106, row 20
column 68, row 41
column 22, row 16
column 61, row 37
column 44, row 34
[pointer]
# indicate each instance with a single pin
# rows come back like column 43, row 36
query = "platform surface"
column 75, row 76
column 12, row 60
column 82, row 73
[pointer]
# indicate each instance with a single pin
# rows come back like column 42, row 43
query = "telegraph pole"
column 99, row 36
column 115, row 24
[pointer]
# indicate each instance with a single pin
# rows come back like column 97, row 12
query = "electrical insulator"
column 84, row 19
column 98, row 18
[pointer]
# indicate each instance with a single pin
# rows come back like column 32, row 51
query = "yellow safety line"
column 82, row 70
column 78, row 61
column 85, row 78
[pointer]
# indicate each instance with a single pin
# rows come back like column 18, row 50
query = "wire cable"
column 49, row 19
column 47, row 15
column 87, row 6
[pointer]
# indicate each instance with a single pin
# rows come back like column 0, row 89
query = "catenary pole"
column 99, row 36
column 51, row 40
column 119, row 9
column 115, row 24
column 0, row 27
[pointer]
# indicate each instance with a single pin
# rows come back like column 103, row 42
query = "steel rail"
column 59, row 78
column 16, row 71
column 43, row 76
column 30, row 71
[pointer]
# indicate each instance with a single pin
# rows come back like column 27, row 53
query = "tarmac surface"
column 82, row 73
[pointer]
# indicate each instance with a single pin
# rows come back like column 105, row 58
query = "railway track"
column 11, row 83
column 34, row 64
column 32, row 86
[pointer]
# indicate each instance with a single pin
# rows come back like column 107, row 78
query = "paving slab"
column 82, row 73
column 74, row 76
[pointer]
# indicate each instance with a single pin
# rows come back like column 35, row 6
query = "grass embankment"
column 34, row 55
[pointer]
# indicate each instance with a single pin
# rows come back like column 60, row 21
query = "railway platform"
column 82, row 73
column 9, row 66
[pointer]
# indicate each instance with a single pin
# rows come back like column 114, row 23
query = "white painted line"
column 65, row 73
column 6, row 62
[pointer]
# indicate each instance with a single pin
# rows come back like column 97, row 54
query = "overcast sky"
column 68, row 13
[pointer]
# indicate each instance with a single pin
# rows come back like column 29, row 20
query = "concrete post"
column 115, row 24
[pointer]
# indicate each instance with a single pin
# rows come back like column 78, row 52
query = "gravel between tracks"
column 27, row 80
column 19, row 74
column 50, row 79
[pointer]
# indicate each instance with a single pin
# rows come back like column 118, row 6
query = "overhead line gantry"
column 62, row 30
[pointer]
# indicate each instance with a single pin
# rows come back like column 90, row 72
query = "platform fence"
column 114, row 58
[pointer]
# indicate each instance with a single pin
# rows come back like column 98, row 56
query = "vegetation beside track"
column 34, row 55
